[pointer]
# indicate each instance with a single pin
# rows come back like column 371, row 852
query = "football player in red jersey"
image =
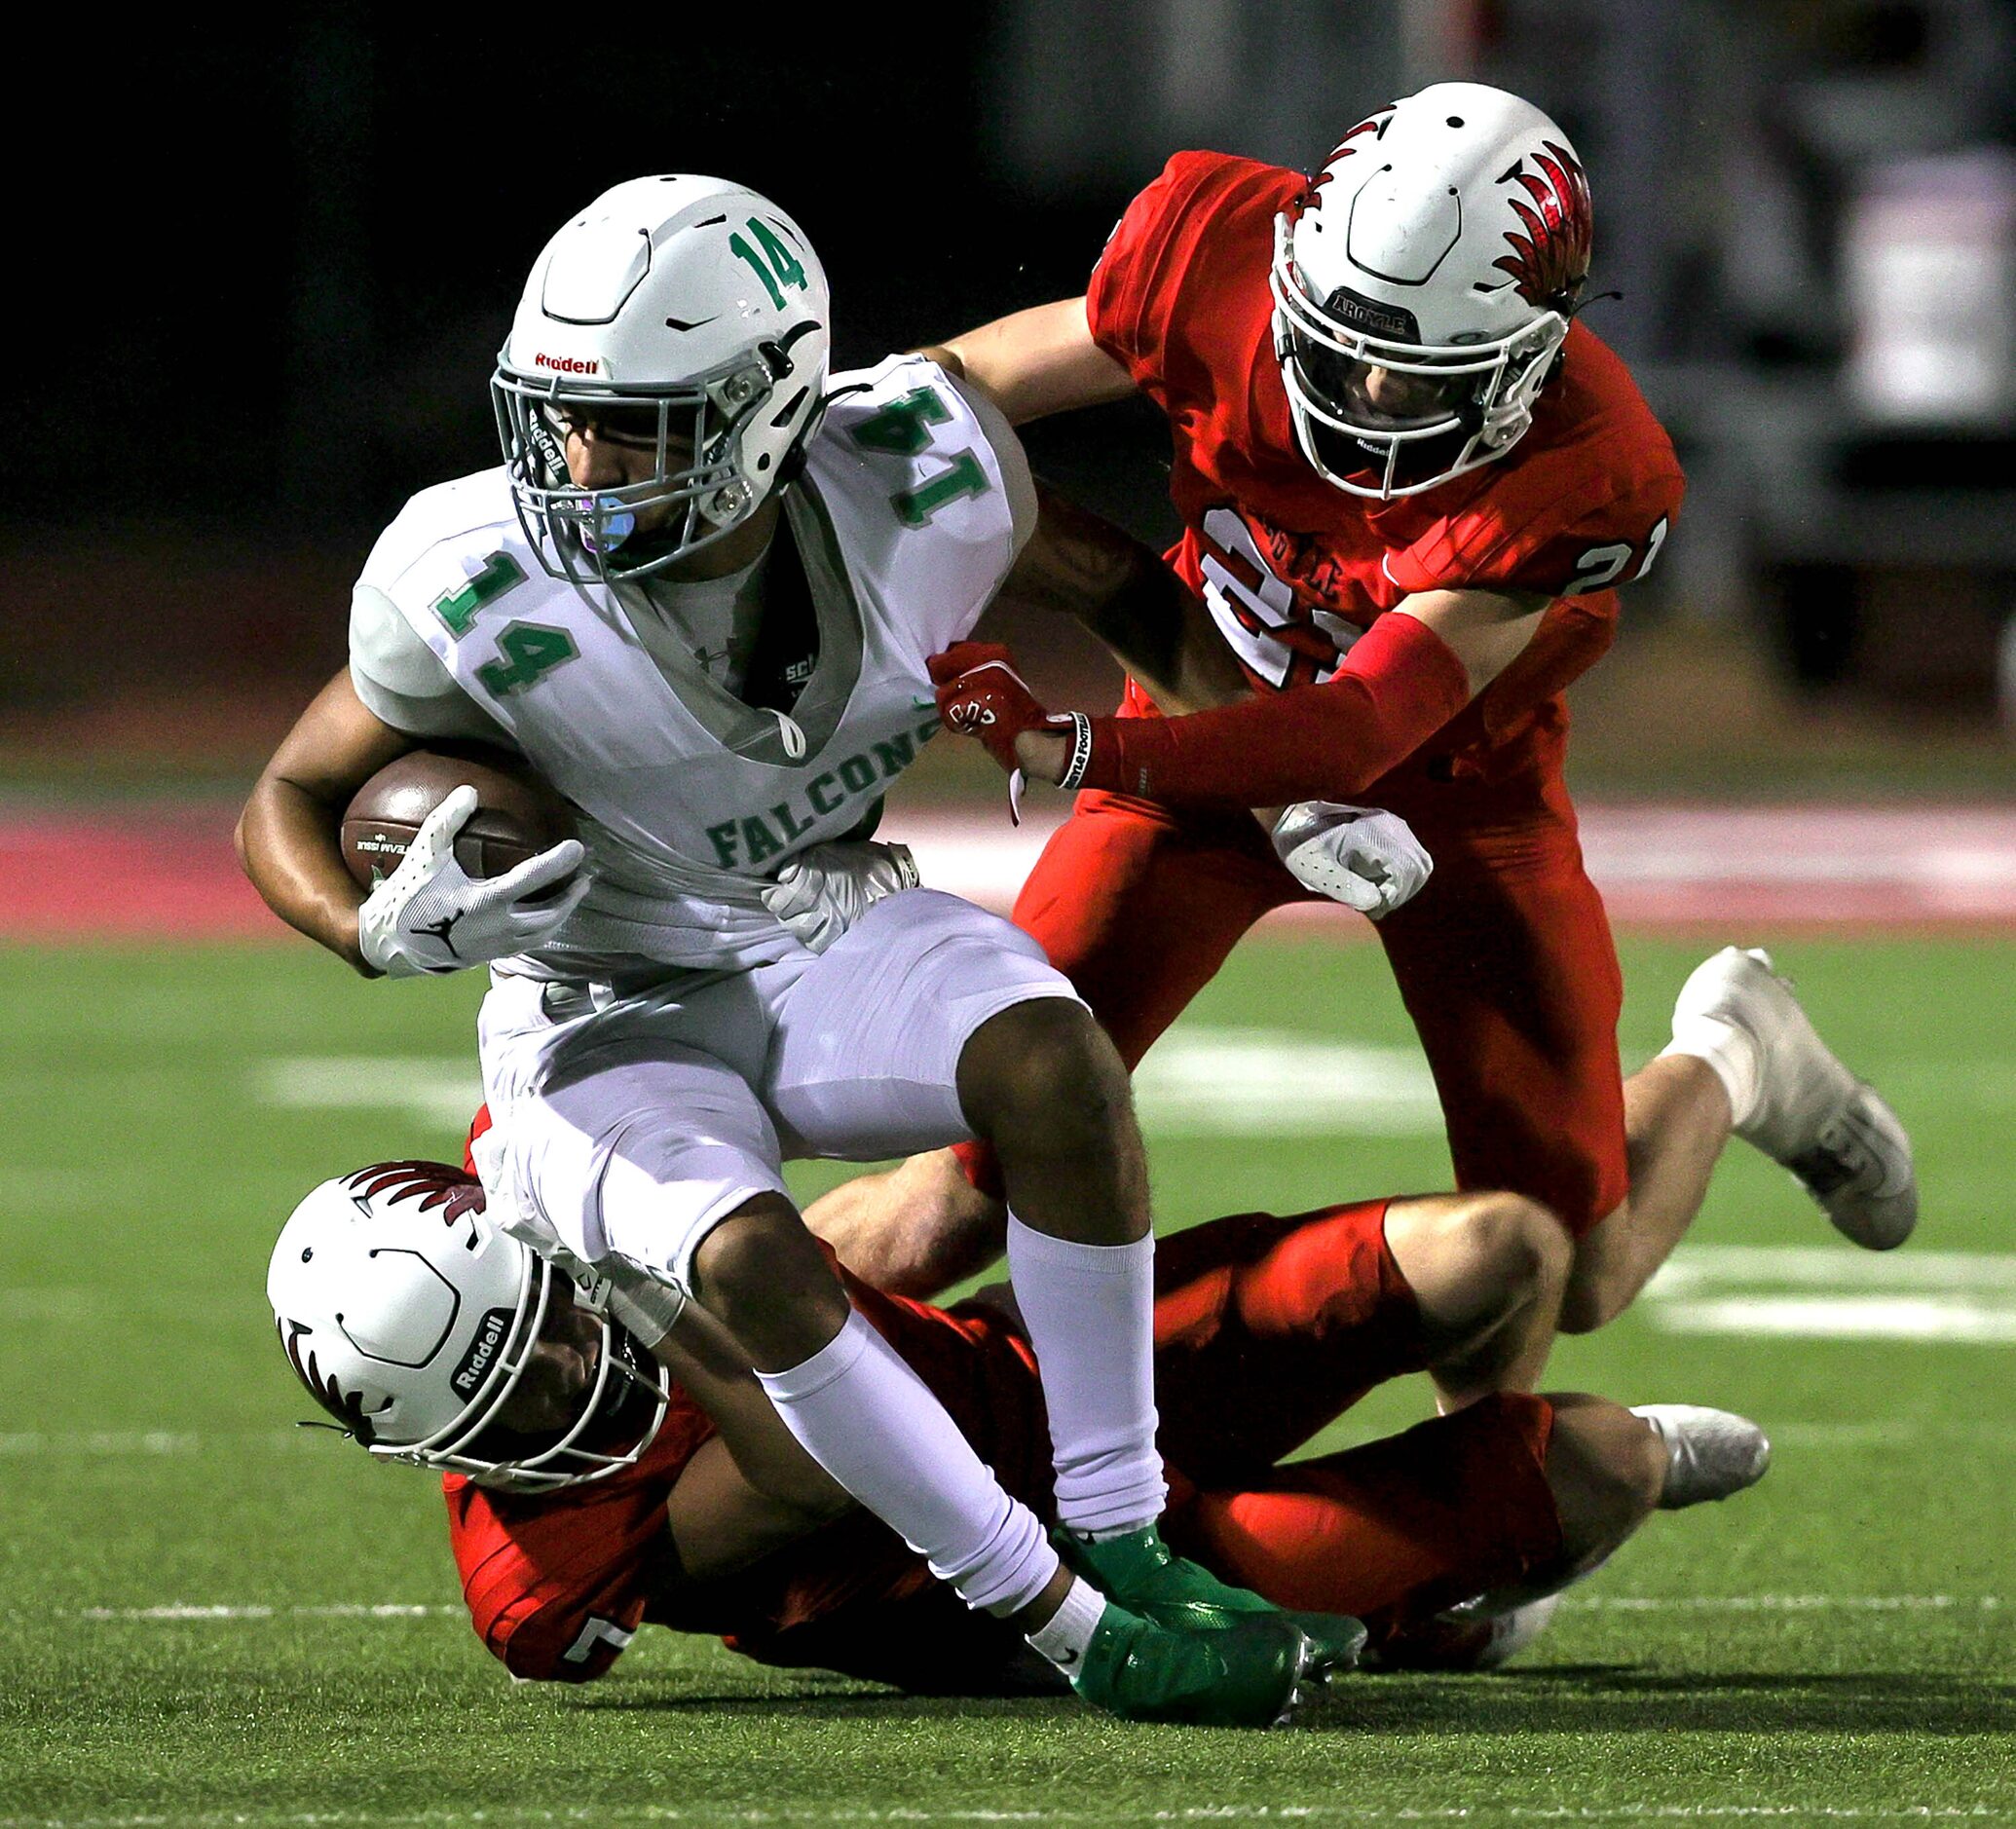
column 1410, row 484
column 610, row 1459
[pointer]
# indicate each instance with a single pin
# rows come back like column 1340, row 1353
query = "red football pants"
column 1505, row 960
column 1266, row 1330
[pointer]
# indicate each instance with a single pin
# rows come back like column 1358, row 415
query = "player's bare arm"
column 288, row 835
column 1036, row 362
column 1486, row 630
column 752, row 1489
column 787, row 1491
column 1078, row 563
column 720, row 1523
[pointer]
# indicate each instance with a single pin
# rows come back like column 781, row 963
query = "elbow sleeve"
column 1400, row 685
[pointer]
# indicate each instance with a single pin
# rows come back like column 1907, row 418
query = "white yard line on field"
column 158, row 1442
column 1831, row 1292
column 441, row 1091
column 1948, row 1320
column 1199, row 1082
column 1694, row 1267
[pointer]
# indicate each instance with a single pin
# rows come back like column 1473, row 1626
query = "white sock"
column 1732, row 1051
column 1068, row 1635
column 873, row 1424
column 1090, row 1310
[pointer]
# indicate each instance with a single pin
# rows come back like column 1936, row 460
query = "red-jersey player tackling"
column 1410, row 484
column 611, row 1462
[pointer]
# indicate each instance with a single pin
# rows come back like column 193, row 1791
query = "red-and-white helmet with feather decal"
column 1424, row 285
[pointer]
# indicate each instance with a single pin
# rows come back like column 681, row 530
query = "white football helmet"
column 1424, row 285
column 683, row 314
column 411, row 1317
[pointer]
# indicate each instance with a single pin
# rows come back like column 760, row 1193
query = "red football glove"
column 980, row 694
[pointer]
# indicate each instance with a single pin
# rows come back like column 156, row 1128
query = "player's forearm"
column 1152, row 625
column 1036, row 362
column 784, row 1483
column 721, row 1523
column 288, row 834
column 1399, row 685
column 1080, row 565
column 287, row 843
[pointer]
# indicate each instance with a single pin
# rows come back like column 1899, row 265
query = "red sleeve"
column 1399, row 684
column 556, row 1584
column 1131, row 303
column 570, row 1637
column 1585, row 502
column 1559, row 539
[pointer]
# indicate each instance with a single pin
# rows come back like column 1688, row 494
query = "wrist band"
column 1081, row 750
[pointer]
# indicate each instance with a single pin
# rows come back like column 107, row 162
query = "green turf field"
column 1839, row 1643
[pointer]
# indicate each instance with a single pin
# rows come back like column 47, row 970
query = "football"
column 517, row 816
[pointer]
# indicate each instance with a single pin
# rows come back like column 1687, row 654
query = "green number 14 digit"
column 531, row 651
column 783, row 268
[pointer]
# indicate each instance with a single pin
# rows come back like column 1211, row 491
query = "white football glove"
column 823, row 892
column 1357, row 855
column 431, row 915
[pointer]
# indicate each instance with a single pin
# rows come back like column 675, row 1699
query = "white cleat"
column 1710, row 1454
column 1474, row 1636
column 1513, row 1630
column 1842, row 1143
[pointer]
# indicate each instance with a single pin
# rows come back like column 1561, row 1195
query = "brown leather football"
column 517, row 816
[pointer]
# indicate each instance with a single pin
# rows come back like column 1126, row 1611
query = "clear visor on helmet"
column 1377, row 391
column 673, row 482
column 570, row 1397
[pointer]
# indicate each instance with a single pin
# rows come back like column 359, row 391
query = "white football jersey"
column 909, row 515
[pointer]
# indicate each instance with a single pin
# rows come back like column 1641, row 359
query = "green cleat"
column 1144, row 1575
column 1248, row 1675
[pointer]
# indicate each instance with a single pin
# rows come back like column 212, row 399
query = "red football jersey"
column 558, row 1584
column 1292, row 568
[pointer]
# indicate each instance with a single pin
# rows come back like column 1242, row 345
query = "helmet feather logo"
column 1552, row 256
column 431, row 1183
column 1373, row 123
column 347, row 1407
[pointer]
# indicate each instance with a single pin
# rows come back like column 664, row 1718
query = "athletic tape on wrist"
column 1081, row 750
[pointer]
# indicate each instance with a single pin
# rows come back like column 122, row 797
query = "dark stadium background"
column 259, row 274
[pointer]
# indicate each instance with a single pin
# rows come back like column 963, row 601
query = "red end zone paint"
column 158, row 874
column 171, row 875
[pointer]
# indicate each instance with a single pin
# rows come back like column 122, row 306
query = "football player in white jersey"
column 699, row 596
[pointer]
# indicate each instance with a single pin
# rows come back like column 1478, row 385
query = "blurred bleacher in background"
column 277, row 316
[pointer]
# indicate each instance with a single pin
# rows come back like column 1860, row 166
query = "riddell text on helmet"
column 565, row 364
